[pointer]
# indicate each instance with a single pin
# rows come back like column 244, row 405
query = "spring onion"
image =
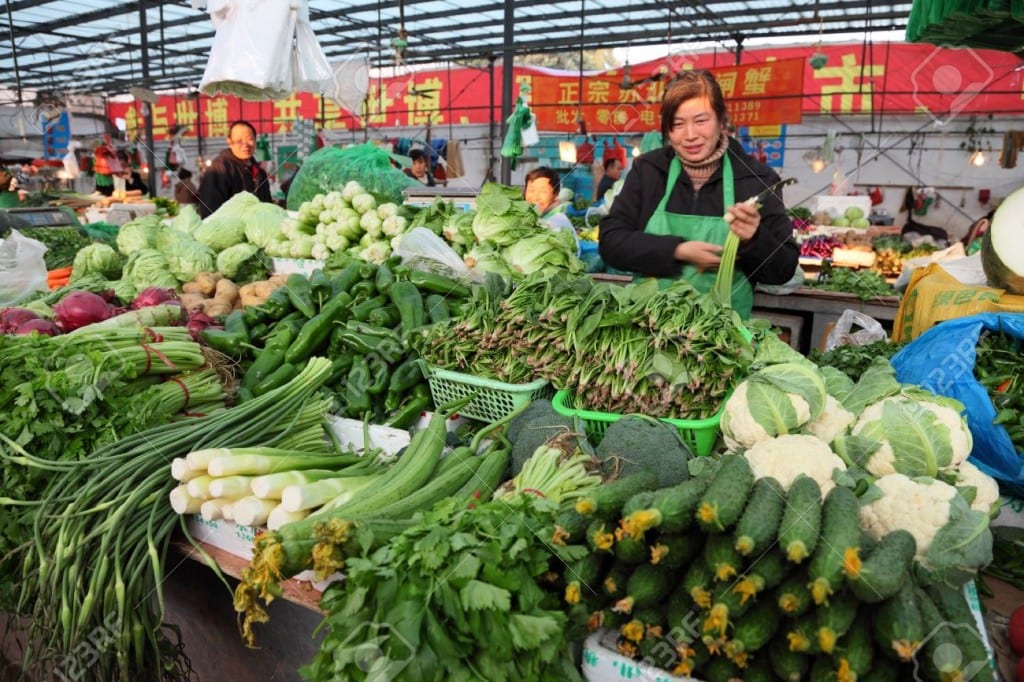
column 230, row 486
column 279, row 516
column 335, row 491
column 270, row 486
column 252, row 511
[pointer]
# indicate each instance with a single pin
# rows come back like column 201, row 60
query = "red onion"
column 11, row 318
column 39, row 326
column 153, row 296
column 81, row 308
column 198, row 321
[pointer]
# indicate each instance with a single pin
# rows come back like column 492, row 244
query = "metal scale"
column 38, row 216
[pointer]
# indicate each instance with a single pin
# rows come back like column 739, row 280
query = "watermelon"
column 1002, row 257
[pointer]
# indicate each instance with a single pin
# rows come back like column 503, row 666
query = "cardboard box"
column 601, row 663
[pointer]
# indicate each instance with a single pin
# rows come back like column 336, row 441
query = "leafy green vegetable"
column 263, row 223
column 866, row 284
column 185, row 256
column 960, row 547
column 853, row 360
column 138, row 234
column 98, row 259
column 149, row 267
column 237, row 258
column 488, row 618
column 220, row 232
column 187, row 220
column 62, row 243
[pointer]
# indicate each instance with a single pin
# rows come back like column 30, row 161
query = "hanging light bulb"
column 978, row 159
column 627, row 80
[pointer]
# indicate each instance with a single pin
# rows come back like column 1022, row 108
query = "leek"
column 230, row 486
column 279, row 516
column 335, row 491
column 270, row 486
column 199, row 487
column 252, row 511
column 182, row 502
column 259, row 464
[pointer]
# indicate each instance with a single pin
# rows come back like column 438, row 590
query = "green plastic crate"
column 494, row 400
column 699, row 434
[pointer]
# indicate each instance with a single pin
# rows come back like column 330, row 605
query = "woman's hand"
column 701, row 255
column 745, row 220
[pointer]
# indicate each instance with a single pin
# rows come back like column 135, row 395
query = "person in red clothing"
column 233, row 171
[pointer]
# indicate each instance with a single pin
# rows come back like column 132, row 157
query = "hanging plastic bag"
column 942, row 360
column 530, row 134
column 423, row 250
column 22, row 268
column 331, row 168
column 71, row 161
column 868, row 330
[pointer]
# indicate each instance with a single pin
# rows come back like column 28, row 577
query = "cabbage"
column 543, row 250
column 97, row 259
column 263, row 223
column 502, row 215
column 486, row 258
column 187, row 220
column 237, row 206
column 185, row 256
column 854, row 213
column 137, row 234
column 149, row 268
column 220, row 233
column 242, row 263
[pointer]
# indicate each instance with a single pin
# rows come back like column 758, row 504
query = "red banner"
column 770, row 86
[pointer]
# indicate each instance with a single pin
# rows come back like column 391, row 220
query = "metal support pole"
column 144, row 51
column 491, row 158
column 508, row 82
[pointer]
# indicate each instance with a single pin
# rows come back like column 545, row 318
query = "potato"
column 207, row 282
column 226, row 290
column 192, row 300
column 193, row 288
column 218, row 307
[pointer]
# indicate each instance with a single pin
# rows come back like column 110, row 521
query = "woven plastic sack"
column 330, row 168
column 942, row 360
column 22, row 268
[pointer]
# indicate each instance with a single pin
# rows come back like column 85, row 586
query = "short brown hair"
column 689, row 85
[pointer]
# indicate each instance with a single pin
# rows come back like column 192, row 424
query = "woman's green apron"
column 712, row 229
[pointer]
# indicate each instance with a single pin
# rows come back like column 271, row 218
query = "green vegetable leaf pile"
column 867, row 284
column 465, row 594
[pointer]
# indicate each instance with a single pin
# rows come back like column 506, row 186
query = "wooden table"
column 820, row 309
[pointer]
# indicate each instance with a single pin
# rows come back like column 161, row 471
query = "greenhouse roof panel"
column 96, row 45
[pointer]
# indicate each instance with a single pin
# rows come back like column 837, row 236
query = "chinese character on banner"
column 423, row 101
column 568, row 93
column 185, row 115
column 565, row 116
column 727, row 81
column 854, row 81
column 216, row 117
column 597, row 91
column 755, row 80
column 375, row 110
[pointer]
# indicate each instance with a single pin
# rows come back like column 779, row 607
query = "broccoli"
column 533, row 427
column 635, row 443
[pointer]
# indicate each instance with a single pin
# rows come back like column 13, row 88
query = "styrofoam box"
column 837, row 205
column 289, row 266
column 601, row 663
column 1011, row 512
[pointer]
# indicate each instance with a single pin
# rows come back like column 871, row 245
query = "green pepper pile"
column 1000, row 369
column 359, row 315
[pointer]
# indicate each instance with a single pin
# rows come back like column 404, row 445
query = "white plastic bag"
column 263, row 49
column 843, row 334
column 423, row 250
column 70, row 161
column 22, row 268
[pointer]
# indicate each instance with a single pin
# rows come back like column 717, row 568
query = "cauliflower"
column 833, row 421
column 916, row 437
column 986, row 495
column 920, row 507
column 786, row 457
column 741, row 427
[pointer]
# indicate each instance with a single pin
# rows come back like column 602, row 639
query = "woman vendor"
column 668, row 221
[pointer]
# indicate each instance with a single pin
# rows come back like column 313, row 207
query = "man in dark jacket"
column 233, row 171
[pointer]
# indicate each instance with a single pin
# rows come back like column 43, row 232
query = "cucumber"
column 648, row 585
column 753, row 631
column 631, row 550
column 572, row 526
column 940, row 657
column 898, row 628
column 758, row 670
column 488, row 477
column 722, row 503
column 884, row 571
column 719, row 669
column 801, row 634
column 953, row 606
column 883, row 670
column 727, row 608
column 679, row 610
column 765, row 574
column 697, row 582
column 793, row 597
column 651, row 617
column 675, row 551
column 801, row 519
column 614, row 583
column 855, row 652
column 671, row 509
column 789, row 666
column 600, row 536
column 834, row 620
column 721, row 557
column 840, row 535
column 606, row 500
column 758, row 526
column 639, row 501
column 583, row 578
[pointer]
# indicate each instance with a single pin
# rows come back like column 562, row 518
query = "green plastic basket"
column 699, row 434
column 494, row 400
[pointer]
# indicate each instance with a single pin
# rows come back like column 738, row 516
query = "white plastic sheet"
column 263, row 49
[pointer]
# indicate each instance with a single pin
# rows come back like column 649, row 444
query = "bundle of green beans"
column 94, row 569
column 665, row 353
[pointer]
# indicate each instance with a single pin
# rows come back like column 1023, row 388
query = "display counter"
column 814, row 311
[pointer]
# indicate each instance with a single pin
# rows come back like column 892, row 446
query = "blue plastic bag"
column 942, row 360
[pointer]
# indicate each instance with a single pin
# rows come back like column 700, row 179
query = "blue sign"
column 57, row 136
column 770, row 151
